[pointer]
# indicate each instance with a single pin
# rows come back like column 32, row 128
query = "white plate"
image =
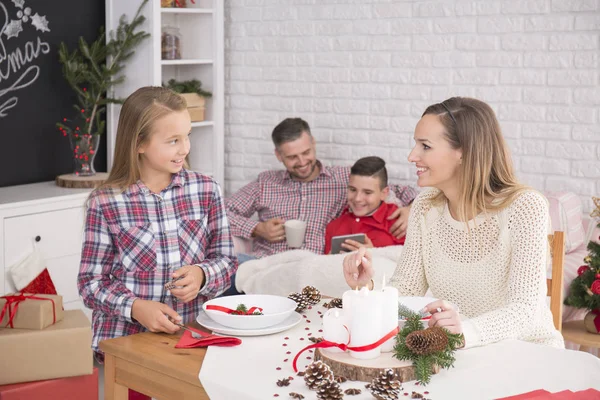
column 209, row 323
column 276, row 309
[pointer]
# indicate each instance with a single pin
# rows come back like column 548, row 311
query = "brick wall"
column 361, row 72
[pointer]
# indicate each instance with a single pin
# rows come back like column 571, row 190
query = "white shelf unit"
column 50, row 219
column 202, row 52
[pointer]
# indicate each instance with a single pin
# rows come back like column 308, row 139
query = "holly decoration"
column 241, row 309
column 425, row 349
column 584, row 291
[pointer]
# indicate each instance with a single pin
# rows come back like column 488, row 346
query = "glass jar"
column 171, row 43
column 173, row 3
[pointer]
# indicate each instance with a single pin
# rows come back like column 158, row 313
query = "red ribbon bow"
column 234, row 312
column 16, row 299
column 344, row 346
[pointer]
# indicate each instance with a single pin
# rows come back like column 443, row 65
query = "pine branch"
column 423, row 368
column 87, row 72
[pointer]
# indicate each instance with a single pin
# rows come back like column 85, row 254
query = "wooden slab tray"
column 354, row 369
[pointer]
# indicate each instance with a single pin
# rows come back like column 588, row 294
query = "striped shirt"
column 135, row 240
column 276, row 195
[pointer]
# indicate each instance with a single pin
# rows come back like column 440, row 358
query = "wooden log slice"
column 342, row 364
column 81, row 182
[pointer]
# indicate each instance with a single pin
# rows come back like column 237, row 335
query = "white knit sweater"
column 496, row 276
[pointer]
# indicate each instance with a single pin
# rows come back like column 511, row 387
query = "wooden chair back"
column 555, row 285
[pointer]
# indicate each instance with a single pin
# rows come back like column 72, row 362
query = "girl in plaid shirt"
column 150, row 223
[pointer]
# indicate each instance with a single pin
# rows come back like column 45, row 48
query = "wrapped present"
column 30, row 311
column 75, row 388
column 61, row 350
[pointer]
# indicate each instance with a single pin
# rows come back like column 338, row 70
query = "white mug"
column 294, row 232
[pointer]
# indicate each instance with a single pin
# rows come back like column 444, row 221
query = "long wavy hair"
column 136, row 120
column 487, row 179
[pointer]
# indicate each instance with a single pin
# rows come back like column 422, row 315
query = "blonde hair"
column 138, row 114
column 487, row 179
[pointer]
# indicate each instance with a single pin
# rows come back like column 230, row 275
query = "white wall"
column 361, row 72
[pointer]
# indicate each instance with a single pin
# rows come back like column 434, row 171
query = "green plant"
column 424, row 359
column 584, row 291
column 191, row 86
column 92, row 70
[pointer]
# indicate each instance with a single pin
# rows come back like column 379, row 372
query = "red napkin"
column 206, row 339
column 589, row 394
column 528, row 395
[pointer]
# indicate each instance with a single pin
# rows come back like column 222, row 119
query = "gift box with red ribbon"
column 61, row 350
column 83, row 387
column 30, row 311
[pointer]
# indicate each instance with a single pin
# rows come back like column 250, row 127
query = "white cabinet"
column 51, row 219
column 202, row 58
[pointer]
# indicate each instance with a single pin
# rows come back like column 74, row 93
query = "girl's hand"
column 443, row 315
column 353, row 245
column 187, row 288
column 358, row 269
column 154, row 316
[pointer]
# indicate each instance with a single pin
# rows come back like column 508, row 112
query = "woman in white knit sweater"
column 476, row 237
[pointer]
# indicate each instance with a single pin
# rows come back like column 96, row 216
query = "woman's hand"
column 155, row 316
column 358, row 268
column 353, row 245
column 188, row 287
column 443, row 315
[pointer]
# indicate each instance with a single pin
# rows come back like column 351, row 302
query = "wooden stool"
column 574, row 331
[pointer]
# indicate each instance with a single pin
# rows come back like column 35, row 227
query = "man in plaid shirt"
column 135, row 240
column 306, row 190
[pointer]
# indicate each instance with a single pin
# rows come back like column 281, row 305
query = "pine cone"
column 334, row 303
column 312, row 294
column 316, row 373
column 329, row 390
column 427, row 341
column 386, row 386
column 295, row 395
column 315, row 339
column 301, row 301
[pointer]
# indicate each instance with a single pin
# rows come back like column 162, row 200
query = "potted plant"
column 194, row 96
column 92, row 71
column 584, row 291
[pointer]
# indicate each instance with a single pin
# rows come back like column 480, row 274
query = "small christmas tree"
column 584, row 291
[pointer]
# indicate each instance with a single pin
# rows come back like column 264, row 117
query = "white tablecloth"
column 251, row 370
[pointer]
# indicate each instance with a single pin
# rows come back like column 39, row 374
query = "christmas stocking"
column 30, row 275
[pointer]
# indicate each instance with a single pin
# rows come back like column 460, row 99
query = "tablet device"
column 336, row 241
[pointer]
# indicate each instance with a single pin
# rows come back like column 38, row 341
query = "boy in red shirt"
column 367, row 211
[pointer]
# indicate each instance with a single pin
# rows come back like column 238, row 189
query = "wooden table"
column 574, row 331
column 149, row 363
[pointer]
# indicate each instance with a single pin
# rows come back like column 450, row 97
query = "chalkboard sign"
column 34, row 96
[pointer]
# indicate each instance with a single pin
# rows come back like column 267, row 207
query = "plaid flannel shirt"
column 135, row 240
column 275, row 194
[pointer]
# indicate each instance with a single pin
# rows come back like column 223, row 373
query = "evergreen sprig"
column 92, row 70
column 241, row 309
column 581, row 294
column 191, row 86
column 423, row 364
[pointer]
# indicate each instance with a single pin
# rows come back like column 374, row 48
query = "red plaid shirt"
column 275, row 194
column 135, row 240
